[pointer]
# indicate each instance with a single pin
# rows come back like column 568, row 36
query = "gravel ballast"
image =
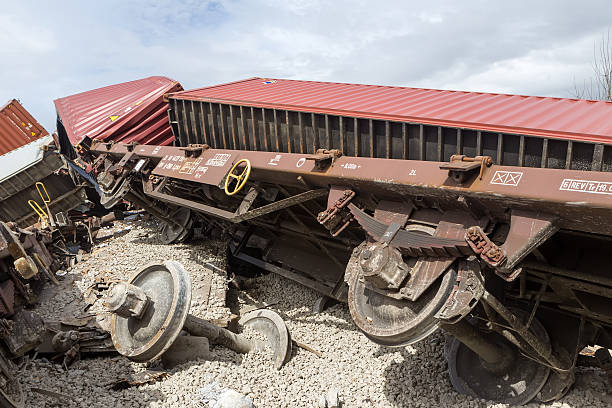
column 364, row 373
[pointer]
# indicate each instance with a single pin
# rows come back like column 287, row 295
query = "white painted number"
column 586, row 186
column 218, row 160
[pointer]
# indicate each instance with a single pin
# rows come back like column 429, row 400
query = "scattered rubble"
column 138, row 379
column 215, row 396
column 366, row 375
column 330, row 400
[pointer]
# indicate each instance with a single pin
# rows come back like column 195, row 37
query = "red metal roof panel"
column 529, row 115
column 17, row 127
column 127, row 112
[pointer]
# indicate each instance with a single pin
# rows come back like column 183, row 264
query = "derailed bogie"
column 412, row 245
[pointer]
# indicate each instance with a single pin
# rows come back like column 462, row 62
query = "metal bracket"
column 527, row 232
column 117, row 168
column 247, row 201
column 466, row 293
column 324, row 158
column 460, row 166
column 130, row 146
column 194, row 150
column 336, row 218
column 491, row 254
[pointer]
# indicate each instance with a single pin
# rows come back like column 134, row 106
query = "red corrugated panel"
column 17, row 127
column 128, row 112
column 529, row 115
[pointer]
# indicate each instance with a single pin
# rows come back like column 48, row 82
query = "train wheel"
column 558, row 384
column 147, row 336
column 390, row 321
column 516, row 380
column 171, row 233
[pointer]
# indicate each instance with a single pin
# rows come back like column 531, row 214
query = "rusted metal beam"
column 546, row 190
column 372, row 148
column 544, row 161
column 194, row 129
column 521, row 152
column 404, row 141
column 205, row 127
column 301, row 133
column 256, row 143
column 342, row 134
column 421, row 142
column 228, row 215
column 327, row 132
column 213, row 127
column 235, row 136
column 266, row 133
column 224, row 135
column 185, row 132
column 315, row 133
column 441, row 145
column 290, row 147
column 276, row 132
column 573, row 274
column 245, row 136
column 387, row 139
column 356, row 136
column 543, row 349
column 569, row 154
column 310, row 283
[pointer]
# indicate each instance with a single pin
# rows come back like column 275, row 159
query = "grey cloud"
column 52, row 49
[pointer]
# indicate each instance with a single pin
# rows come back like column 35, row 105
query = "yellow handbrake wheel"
column 241, row 176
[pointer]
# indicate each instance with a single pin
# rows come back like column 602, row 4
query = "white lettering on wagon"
column 200, row 171
column 586, row 186
column 218, row 160
column 350, row 166
column 300, row 162
column 190, row 166
column 507, row 178
column 274, row 161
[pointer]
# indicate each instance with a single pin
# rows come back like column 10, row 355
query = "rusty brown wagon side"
column 487, row 215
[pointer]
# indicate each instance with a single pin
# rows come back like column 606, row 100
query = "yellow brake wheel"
column 241, row 177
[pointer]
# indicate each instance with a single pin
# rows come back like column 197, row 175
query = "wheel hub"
column 144, row 333
column 178, row 231
column 515, row 381
column 393, row 320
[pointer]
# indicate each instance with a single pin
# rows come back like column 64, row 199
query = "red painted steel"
column 17, row 127
column 128, row 112
column 529, row 115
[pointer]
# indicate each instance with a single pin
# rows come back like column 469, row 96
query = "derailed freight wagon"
column 17, row 127
column 133, row 111
column 487, row 215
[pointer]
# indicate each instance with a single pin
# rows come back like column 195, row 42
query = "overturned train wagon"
column 487, row 215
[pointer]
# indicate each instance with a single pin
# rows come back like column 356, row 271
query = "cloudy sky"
column 50, row 49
